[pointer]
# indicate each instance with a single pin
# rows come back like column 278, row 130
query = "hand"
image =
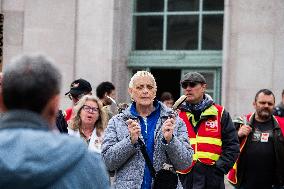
column 244, row 130
column 168, row 129
column 134, row 130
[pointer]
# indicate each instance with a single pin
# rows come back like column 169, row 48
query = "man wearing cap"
column 78, row 89
column 212, row 136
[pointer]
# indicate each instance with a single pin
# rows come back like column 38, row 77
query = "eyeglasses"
column 90, row 109
column 184, row 85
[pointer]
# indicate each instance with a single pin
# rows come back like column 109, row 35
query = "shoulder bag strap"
column 147, row 158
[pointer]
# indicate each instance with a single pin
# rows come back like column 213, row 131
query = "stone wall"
column 252, row 55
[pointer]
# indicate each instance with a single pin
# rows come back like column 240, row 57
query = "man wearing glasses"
column 78, row 89
column 212, row 136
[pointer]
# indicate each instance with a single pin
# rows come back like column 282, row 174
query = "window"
column 178, row 36
column 178, row 24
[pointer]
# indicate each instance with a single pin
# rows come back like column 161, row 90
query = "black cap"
column 79, row 87
column 193, row 77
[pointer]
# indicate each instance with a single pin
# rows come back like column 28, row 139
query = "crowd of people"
column 147, row 144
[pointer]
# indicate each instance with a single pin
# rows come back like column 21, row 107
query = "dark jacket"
column 278, row 146
column 61, row 123
column 279, row 110
column 33, row 157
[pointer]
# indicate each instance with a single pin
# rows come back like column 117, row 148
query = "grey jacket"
column 121, row 155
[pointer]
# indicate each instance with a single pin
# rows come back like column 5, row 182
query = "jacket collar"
column 275, row 122
column 211, row 111
column 23, row 119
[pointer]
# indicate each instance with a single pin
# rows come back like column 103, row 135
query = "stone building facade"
column 238, row 45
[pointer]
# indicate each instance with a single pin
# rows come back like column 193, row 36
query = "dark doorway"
column 167, row 80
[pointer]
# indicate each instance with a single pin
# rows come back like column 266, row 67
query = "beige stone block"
column 13, row 35
column 9, row 51
column 58, row 15
column 95, row 40
column 13, row 5
column 255, row 71
column 13, row 28
column 255, row 43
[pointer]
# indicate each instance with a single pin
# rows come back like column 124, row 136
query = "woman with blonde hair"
column 89, row 121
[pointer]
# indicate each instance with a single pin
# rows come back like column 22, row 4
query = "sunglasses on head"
column 184, row 85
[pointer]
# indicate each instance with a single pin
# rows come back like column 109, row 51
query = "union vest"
column 207, row 142
column 232, row 175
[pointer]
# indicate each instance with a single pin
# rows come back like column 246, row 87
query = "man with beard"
column 261, row 162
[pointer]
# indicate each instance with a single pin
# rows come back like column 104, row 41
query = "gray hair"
column 29, row 82
column 141, row 74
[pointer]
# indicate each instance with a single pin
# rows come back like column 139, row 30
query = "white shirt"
column 95, row 141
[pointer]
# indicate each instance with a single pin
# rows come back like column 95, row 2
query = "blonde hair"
column 76, row 122
column 142, row 73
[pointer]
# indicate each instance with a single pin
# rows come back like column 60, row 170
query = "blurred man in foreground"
column 31, row 156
